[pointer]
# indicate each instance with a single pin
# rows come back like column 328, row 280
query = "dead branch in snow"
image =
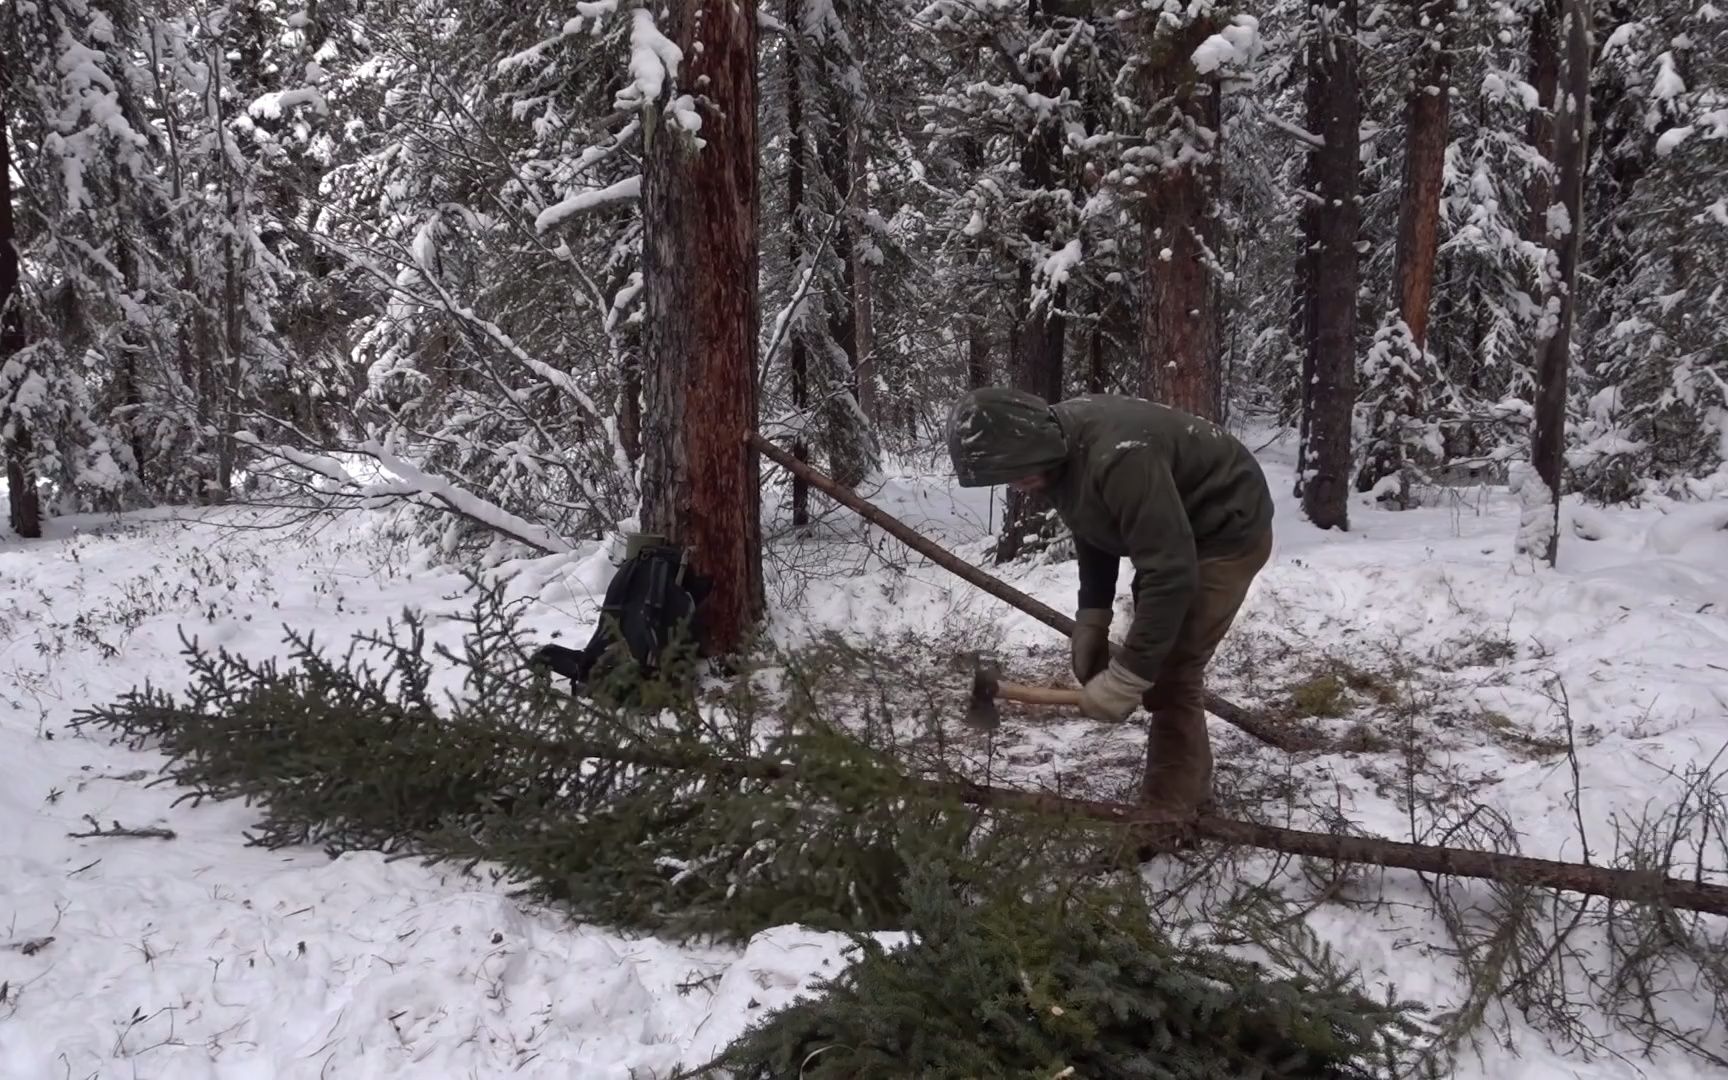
column 149, row 832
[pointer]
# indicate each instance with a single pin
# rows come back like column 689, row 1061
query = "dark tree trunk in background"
column 1178, row 329
column 24, row 503
column 850, row 443
column 1331, row 227
column 630, row 407
column 1427, row 119
column 799, row 356
column 1038, row 344
column 1571, row 148
column 863, row 277
column 1539, row 127
column 977, row 352
column 700, row 484
column 1097, row 367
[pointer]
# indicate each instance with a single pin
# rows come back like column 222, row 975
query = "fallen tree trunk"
column 1267, row 730
column 1632, row 886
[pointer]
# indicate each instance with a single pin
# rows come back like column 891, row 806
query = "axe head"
column 981, row 711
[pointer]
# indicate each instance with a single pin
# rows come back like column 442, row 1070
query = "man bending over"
column 1176, row 495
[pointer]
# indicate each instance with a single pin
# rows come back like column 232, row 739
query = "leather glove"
column 1089, row 646
column 1112, row 696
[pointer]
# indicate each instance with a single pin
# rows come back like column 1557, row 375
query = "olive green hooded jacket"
column 1130, row 479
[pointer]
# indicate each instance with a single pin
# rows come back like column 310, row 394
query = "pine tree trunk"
column 24, row 503
column 1178, row 329
column 1038, row 344
column 230, row 353
column 798, row 353
column 630, row 407
column 1329, row 390
column 1539, row 127
column 1571, row 147
column 849, row 443
column 977, row 351
column 1426, row 126
column 863, row 275
column 700, row 484
column 1097, row 366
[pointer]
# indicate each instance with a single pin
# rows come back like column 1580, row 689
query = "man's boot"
column 1178, row 777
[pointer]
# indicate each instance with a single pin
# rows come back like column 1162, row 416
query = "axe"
column 987, row 686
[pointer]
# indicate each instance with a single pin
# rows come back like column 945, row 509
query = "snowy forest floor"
column 1448, row 666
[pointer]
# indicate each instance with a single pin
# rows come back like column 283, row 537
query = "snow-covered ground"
column 198, row 956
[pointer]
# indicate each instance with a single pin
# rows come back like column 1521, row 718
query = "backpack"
column 652, row 602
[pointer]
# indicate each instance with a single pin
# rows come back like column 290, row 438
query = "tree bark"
column 630, row 407
column 797, row 352
column 977, row 351
column 1097, row 367
column 1332, row 226
column 1427, row 116
column 1571, row 148
column 701, row 486
column 863, row 274
column 1539, row 126
column 1268, row 731
column 1178, row 329
column 24, row 502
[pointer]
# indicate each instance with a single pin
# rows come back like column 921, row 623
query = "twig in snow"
column 30, row 947
column 149, row 832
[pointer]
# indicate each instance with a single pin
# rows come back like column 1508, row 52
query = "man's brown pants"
column 1179, row 754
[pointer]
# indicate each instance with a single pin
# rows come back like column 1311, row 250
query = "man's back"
column 1117, row 447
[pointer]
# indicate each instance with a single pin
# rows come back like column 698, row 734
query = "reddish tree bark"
column 700, row 485
column 1427, row 116
column 1571, row 138
column 1178, row 328
column 1330, row 228
column 24, row 504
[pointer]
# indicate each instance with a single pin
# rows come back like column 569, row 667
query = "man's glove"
column 1111, row 696
column 1089, row 645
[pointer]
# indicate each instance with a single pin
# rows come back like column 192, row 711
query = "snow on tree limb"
column 654, row 60
column 465, row 503
column 623, row 191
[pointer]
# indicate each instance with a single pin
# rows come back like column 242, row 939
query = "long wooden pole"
column 1263, row 728
column 1629, row 885
column 1634, row 886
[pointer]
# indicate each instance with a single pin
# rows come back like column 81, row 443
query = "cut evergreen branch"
column 643, row 807
column 669, row 805
column 1074, row 984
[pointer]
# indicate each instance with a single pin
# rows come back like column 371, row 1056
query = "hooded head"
column 997, row 436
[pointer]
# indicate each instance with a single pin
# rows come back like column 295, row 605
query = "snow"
column 653, row 60
column 1669, row 84
column 201, row 958
column 271, row 106
column 1234, row 46
column 576, row 202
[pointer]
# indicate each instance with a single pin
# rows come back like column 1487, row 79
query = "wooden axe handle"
column 1037, row 695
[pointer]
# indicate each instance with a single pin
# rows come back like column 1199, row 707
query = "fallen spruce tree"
column 745, row 807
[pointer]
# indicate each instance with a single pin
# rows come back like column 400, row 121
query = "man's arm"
column 1141, row 494
column 1098, row 569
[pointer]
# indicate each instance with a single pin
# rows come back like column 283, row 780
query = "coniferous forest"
column 308, row 307
column 478, row 241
